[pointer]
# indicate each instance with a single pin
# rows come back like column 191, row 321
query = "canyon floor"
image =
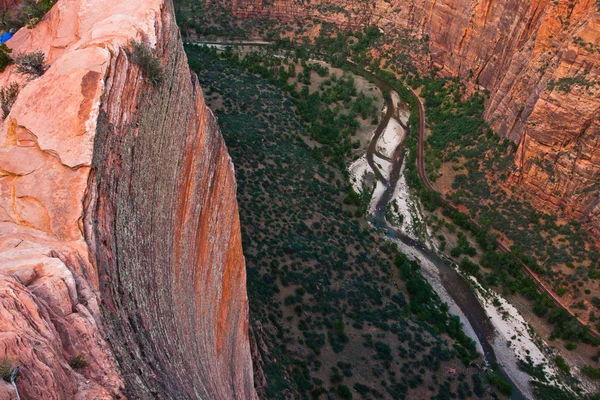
column 417, row 213
column 289, row 294
column 326, row 293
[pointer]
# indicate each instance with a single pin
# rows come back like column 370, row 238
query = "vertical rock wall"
column 119, row 232
column 167, row 235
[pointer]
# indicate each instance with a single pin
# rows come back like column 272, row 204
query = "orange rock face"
column 538, row 58
column 119, row 232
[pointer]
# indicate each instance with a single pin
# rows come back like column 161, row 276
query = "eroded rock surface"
column 119, row 232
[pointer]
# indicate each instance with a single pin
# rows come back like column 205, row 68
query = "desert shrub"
column 469, row 267
column 478, row 387
column 362, row 389
column 31, row 64
column 594, row 274
column 5, row 59
column 570, row 346
column 141, row 54
column 6, row 367
column 78, row 362
column 562, row 364
column 344, row 392
column 336, row 377
column 592, row 372
column 540, row 308
column 8, row 96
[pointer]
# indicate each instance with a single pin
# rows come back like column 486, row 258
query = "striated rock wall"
column 119, row 232
column 538, row 58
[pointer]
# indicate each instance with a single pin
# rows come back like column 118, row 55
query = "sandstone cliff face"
column 539, row 60
column 119, row 232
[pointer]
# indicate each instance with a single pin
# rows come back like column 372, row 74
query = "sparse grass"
column 141, row 54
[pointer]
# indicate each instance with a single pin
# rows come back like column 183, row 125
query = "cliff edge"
column 119, row 233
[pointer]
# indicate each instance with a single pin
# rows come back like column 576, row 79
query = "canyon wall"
column 119, row 232
column 538, row 59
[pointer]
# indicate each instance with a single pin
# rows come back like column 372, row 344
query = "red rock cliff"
column 539, row 60
column 119, row 231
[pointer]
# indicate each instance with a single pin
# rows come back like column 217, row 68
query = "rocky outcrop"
column 119, row 232
column 539, row 61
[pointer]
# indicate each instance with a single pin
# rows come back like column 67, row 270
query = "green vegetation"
column 562, row 364
column 5, row 59
column 545, row 391
column 591, row 47
column 28, row 13
column 331, row 113
column 592, row 372
column 497, row 381
column 566, row 84
column 141, row 54
column 570, row 346
column 318, row 279
column 459, row 136
column 78, row 362
column 6, row 368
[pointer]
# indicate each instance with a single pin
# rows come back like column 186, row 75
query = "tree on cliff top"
column 141, row 54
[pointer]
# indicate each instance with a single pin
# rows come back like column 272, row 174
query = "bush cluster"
column 5, row 59
column 141, row 54
column 31, row 64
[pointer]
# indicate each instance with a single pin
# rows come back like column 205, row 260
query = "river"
column 458, row 289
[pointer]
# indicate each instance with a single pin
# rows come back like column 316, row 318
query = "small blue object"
column 5, row 37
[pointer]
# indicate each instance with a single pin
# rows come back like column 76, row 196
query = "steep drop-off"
column 119, row 232
column 539, row 60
